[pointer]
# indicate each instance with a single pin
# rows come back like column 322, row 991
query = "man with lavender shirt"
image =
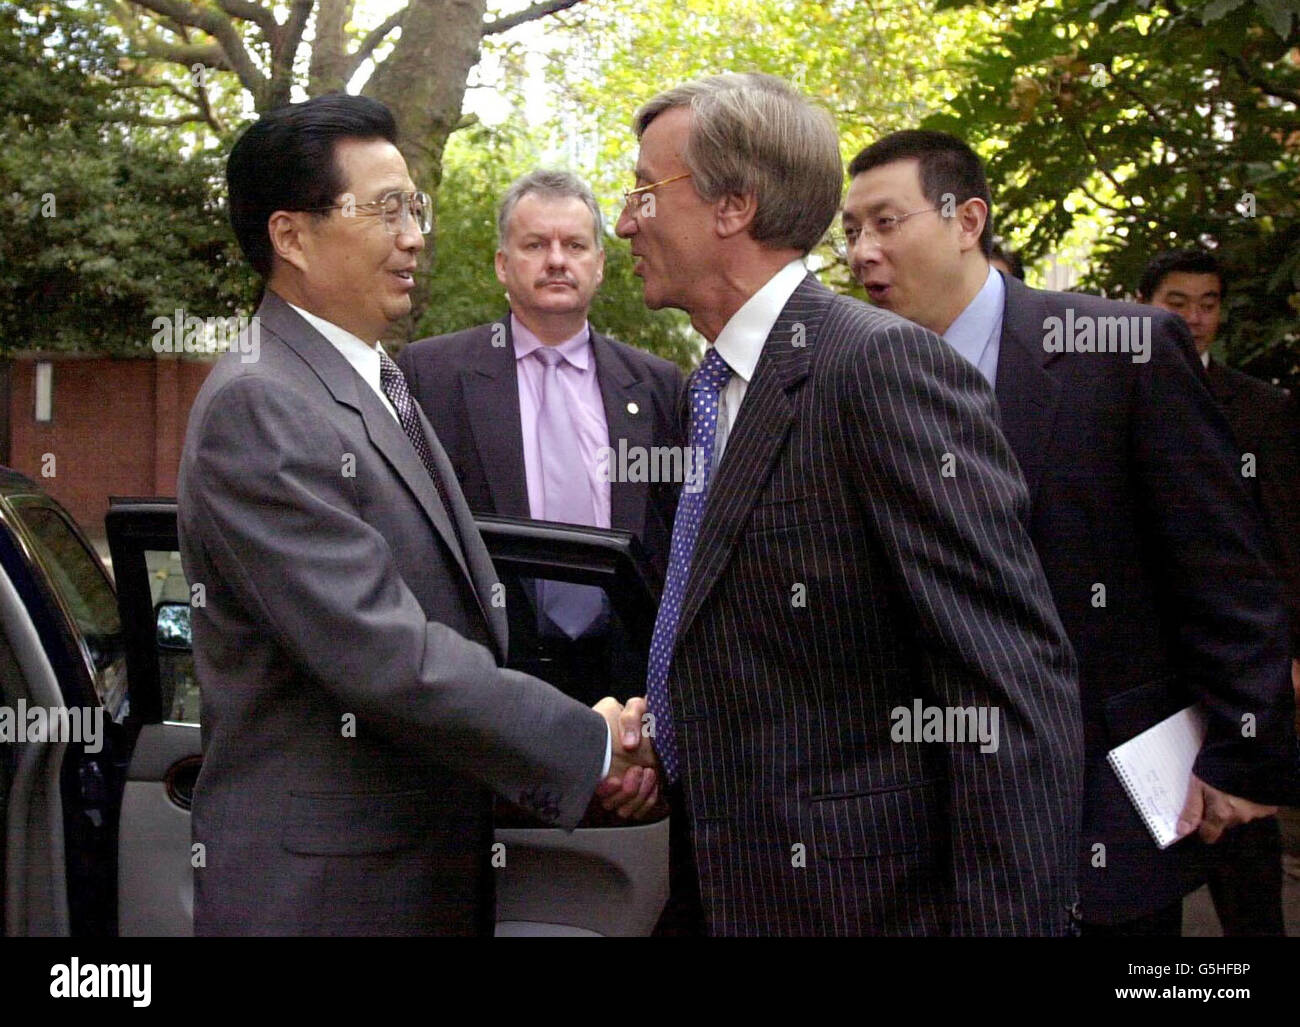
column 537, row 410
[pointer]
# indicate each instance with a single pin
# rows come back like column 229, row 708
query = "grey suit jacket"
column 863, row 549
column 355, row 718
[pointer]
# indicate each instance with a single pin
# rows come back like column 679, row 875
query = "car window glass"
column 602, row 660
column 79, row 576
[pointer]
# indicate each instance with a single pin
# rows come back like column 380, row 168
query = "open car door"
column 605, row 880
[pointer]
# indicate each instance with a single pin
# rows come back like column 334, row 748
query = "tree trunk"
column 423, row 82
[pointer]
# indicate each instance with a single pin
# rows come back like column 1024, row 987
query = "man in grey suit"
column 852, row 602
column 356, row 719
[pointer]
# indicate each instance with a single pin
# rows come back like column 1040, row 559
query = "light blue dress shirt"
column 977, row 332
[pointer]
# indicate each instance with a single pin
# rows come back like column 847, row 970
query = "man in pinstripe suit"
column 857, row 553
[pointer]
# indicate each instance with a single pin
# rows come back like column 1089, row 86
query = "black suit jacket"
column 468, row 387
column 1135, row 486
column 1260, row 416
column 862, row 548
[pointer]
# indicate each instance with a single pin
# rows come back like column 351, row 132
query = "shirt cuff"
column 609, row 751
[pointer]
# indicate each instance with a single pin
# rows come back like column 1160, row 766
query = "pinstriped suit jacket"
column 919, row 582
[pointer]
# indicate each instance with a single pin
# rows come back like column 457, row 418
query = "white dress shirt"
column 740, row 343
column 363, row 356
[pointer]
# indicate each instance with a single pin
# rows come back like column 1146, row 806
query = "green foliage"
column 1157, row 126
column 109, row 225
column 875, row 67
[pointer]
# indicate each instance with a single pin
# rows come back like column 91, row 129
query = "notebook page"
column 1155, row 768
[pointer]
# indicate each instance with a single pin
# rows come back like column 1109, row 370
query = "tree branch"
column 1252, row 78
column 1096, row 160
column 151, row 122
column 372, row 41
column 262, row 17
column 328, row 60
column 187, row 54
column 284, row 47
column 537, row 10
column 219, row 27
column 292, row 31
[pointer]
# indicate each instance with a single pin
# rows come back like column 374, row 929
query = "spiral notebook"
column 1155, row 769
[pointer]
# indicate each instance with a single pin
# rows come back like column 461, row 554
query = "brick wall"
column 117, row 428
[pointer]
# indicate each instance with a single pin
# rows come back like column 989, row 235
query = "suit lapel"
column 1220, row 387
column 621, row 391
column 754, row 441
column 491, row 389
column 385, row 434
column 1027, row 394
column 476, row 562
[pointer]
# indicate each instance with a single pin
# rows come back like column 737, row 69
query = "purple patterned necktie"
column 566, row 496
column 394, row 385
column 706, row 385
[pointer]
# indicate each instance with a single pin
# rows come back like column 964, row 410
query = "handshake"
column 631, row 790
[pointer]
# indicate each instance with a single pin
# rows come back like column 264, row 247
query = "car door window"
column 77, row 574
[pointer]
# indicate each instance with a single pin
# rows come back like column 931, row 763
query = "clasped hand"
column 631, row 789
column 1210, row 812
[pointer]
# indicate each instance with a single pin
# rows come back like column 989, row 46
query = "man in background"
column 1245, row 869
column 1151, row 545
column 534, row 411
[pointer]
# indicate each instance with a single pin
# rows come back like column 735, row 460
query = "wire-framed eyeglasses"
column 393, row 208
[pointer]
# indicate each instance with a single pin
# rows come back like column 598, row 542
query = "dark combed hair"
column 947, row 165
column 285, row 161
column 1194, row 262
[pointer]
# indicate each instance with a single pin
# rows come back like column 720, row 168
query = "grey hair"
column 754, row 133
column 555, row 185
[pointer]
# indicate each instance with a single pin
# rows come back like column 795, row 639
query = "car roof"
column 14, row 483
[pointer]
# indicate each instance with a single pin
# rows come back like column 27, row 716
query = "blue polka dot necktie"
column 706, row 385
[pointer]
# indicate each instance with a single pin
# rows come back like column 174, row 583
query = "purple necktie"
column 706, row 385
column 393, row 382
column 566, row 496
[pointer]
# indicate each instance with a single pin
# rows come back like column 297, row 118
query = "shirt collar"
column 574, row 349
column 362, row 356
column 740, row 343
column 341, row 337
column 970, row 334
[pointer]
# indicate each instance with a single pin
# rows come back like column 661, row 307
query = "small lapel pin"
column 632, row 408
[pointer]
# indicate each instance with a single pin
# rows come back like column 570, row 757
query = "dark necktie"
column 706, row 385
column 394, row 385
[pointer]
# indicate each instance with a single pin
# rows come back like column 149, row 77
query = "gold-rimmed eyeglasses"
column 393, row 208
column 632, row 194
